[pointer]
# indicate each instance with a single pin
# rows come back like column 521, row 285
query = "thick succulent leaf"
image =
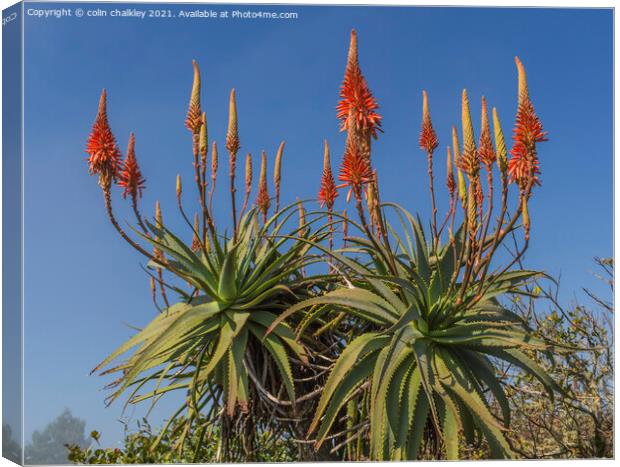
column 172, row 333
column 396, row 393
column 235, row 368
column 455, row 378
column 352, row 353
column 450, row 427
column 232, row 323
column 347, row 385
column 282, row 330
column 520, row 359
column 420, row 410
column 278, row 352
column 484, row 371
column 160, row 322
column 227, row 286
column 361, row 302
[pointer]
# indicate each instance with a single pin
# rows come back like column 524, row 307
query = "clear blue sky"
column 83, row 282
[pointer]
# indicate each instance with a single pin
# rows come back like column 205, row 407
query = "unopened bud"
column 500, row 144
column 232, row 135
column 277, row 173
column 195, row 239
column 302, row 214
column 472, row 211
column 179, row 187
column 248, row 172
column 204, row 138
column 462, row 186
column 158, row 217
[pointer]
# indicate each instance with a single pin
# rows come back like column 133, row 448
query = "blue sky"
column 83, row 283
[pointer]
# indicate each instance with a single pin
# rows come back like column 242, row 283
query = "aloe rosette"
column 207, row 344
column 427, row 356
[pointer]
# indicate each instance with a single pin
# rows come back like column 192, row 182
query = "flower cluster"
column 328, row 192
column 104, row 157
column 523, row 166
column 356, row 97
column 130, row 178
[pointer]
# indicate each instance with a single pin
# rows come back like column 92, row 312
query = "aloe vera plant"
column 426, row 353
column 212, row 343
column 393, row 352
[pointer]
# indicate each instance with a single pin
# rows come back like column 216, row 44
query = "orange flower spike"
column 232, row 135
column 262, row 201
column 248, row 172
column 523, row 166
column 328, row 192
column 195, row 239
column 356, row 96
column 450, row 182
column 193, row 119
column 355, row 170
column 214, row 164
column 158, row 216
column 523, row 92
column 179, row 187
column 469, row 159
column 277, row 173
column 204, row 137
column 428, row 137
column 486, row 152
column 500, row 144
column 104, row 156
column 157, row 253
column 456, row 147
column 130, row 178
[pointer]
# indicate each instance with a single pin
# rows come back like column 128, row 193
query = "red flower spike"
column 523, row 166
column 450, row 182
column 262, row 200
column 486, row 151
column 104, row 156
column 355, row 170
column 356, row 96
column 130, row 178
column 428, row 137
column 193, row 119
column 328, row 192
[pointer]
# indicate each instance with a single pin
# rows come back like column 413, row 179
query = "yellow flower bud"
column 248, row 172
column 232, row 135
column 500, row 144
column 204, row 138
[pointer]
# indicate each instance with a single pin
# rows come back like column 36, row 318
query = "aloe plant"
column 427, row 355
column 391, row 354
column 212, row 343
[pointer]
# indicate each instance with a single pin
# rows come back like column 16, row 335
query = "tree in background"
column 579, row 425
column 10, row 447
column 48, row 446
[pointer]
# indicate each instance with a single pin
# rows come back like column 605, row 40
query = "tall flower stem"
column 108, row 206
column 233, row 190
column 362, row 216
column 487, row 220
column 432, row 191
column 201, row 238
column 214, row 164
column 136, row 211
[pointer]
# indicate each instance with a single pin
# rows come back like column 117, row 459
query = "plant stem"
column 432, row 190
